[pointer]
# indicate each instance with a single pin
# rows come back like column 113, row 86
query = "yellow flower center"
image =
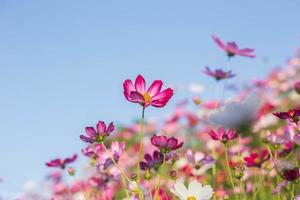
column 191, row 198
column 147, row 97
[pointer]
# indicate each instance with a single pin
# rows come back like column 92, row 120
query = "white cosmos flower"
column 236, row 114
column 195, row 191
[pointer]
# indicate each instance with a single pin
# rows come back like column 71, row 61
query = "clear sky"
column 62, row 64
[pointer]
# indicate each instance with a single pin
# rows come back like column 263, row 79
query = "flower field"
column 240, row 148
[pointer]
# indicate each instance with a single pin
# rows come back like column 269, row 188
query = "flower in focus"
column 222, row 135
column 218, row 74
column 61, row 163
column 292, row 115
column 165, row 144
column 153, row 161
column 232, row 49
column 195, row 191
column 137, row 93
column 99, row 134
column 256, row 160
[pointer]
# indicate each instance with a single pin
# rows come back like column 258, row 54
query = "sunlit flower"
column 232, row 49
column 98, row 134
column 256, row 160
column 222, row 135
column 195, row 191
column 291, row 115
column 165, row 144
column 218, row 74
column 61, row 163
column 137, row 93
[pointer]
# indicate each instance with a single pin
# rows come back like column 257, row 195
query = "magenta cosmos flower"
column 232, row 49
column 61, row 163
column 99, row 134
column 222, row 135
column 218, row 74
column 137, row 93
column 256, row 160
column 292, row 115
column 291, row 174
column 165, row 144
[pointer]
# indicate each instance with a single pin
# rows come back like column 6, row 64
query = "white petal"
column 194, row 188
column 205, row 193
column 181, row 189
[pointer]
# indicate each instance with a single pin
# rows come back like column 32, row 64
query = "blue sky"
column 63, row 62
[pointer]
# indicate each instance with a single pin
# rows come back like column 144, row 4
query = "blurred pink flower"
column 232, row 49
column 61, row 163
column 165, row 144
column 137, row 93
column 218, row 74
column 222, row 135
column 256, row 160
column 97, row 135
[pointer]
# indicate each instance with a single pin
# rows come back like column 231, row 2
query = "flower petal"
column 140, row 84
column 155, row 88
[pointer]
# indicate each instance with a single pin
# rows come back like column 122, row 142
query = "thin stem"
column 214, row 171
column 141, row 147
column 125, row 186
column 159, row 178
column 292, row 191
column 116, row 164
column 225, row 82
column 229, row 171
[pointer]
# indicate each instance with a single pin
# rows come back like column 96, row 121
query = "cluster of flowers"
column 247, row 148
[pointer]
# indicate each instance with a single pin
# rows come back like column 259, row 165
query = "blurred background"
column 63, row 62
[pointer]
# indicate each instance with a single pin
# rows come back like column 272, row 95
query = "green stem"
column 292, row 191
column 141, row 147
column 159, row 178
column 229, row 171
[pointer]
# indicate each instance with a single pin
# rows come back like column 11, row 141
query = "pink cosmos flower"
column 97, row 135
column 104, row 157
column 165, row 144
column 292, row 115
column 232, row 49
column 218, row 74
column 152, row 161
column 222, row 135
column 256, row 160
column 137, row 93
column 92, row 152
column 61, row 163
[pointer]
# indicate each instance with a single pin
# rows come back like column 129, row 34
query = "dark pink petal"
column 219, row 42
column 101, row 127
column 282, row 115
column 155, row 88
column 178, row 146
column 90, row 131
column 136, row 97
column 214, row 135
column 70, row 160
column 54, row 163
column 128, row 88
column 86, row 139
column 232, row 134
column 232, row 45
column 140, row 84
column 110, row 128
column 162, row 98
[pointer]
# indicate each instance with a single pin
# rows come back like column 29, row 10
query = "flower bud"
column 148, row 175
column 197, row 100
column 133, row 177
column 71, row 171
column 173, row 174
